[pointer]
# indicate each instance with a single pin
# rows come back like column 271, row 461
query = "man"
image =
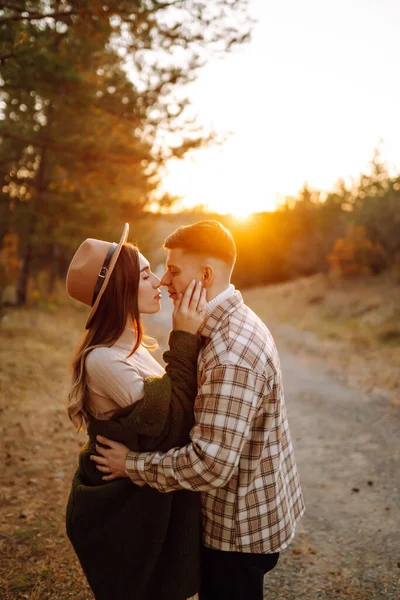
column 240, row 456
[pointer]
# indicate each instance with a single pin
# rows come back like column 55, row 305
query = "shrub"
column 355, row 254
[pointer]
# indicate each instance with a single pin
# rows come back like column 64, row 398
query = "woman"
column 133, row 542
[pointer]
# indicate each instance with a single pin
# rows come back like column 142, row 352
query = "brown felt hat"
column 90, row 270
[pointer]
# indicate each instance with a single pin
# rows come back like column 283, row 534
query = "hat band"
column 103, row 272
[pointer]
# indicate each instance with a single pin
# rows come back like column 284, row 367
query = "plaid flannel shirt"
column 240, row 455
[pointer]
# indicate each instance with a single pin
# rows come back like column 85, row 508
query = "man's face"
column 181, row 269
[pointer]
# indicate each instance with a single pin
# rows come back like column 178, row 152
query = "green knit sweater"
column 135, row 542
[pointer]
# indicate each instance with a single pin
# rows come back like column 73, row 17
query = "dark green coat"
column 134, row 542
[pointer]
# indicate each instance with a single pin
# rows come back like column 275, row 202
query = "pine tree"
column 82, row 143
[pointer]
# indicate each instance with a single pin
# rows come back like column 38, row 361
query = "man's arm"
column 227, row 402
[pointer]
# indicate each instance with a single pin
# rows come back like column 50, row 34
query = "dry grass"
column 353, row 324
column 39, row 451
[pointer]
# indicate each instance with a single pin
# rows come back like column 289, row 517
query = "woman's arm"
column 181, row 372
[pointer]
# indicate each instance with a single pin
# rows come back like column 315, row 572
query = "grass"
column 39, row 449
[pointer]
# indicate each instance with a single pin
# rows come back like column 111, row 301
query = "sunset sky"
column 307, row 100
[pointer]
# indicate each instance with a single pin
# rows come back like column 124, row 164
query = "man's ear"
column 208, row 276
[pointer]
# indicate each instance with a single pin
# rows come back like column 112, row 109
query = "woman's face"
column 149, row 294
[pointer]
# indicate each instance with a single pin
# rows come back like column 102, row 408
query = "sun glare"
column 236, row 207
column 241, row 213
column 278, row 134
column 217, row 186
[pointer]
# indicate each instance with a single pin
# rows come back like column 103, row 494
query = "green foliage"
column 82, row 142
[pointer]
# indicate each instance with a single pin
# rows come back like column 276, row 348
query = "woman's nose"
column 157, row 282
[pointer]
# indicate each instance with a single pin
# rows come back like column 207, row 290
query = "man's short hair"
column 205, row 237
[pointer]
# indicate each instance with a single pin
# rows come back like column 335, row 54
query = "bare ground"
column 346, row 444
column 353, row 325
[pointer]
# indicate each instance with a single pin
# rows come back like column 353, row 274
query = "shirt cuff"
column 134, row 466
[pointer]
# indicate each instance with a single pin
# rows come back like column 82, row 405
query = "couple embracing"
column 187, row 483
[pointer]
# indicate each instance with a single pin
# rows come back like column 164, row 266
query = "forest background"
column 84, row 141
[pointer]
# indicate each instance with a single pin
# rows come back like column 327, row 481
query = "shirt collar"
column 220, row 312
column 214, row 302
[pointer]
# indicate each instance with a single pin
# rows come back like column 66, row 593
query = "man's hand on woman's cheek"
column 111, row 460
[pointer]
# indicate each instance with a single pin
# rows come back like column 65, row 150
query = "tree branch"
column 35, row 16
column 4, row 5
column 5, row 57
column 117, row 158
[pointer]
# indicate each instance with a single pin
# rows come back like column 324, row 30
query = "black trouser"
column 234, row 575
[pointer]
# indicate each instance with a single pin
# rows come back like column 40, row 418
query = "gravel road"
column 347, row 450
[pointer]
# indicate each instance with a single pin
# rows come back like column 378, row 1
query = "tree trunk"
column 4, row 218
column 54, row 269
column 27, row 252
column 23, row 276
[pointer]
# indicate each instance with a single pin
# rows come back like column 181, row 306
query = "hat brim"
column 110, row 269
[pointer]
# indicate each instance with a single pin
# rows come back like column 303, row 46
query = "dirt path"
column 347, row 449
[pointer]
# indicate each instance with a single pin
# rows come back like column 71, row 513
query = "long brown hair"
column 118, row 305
